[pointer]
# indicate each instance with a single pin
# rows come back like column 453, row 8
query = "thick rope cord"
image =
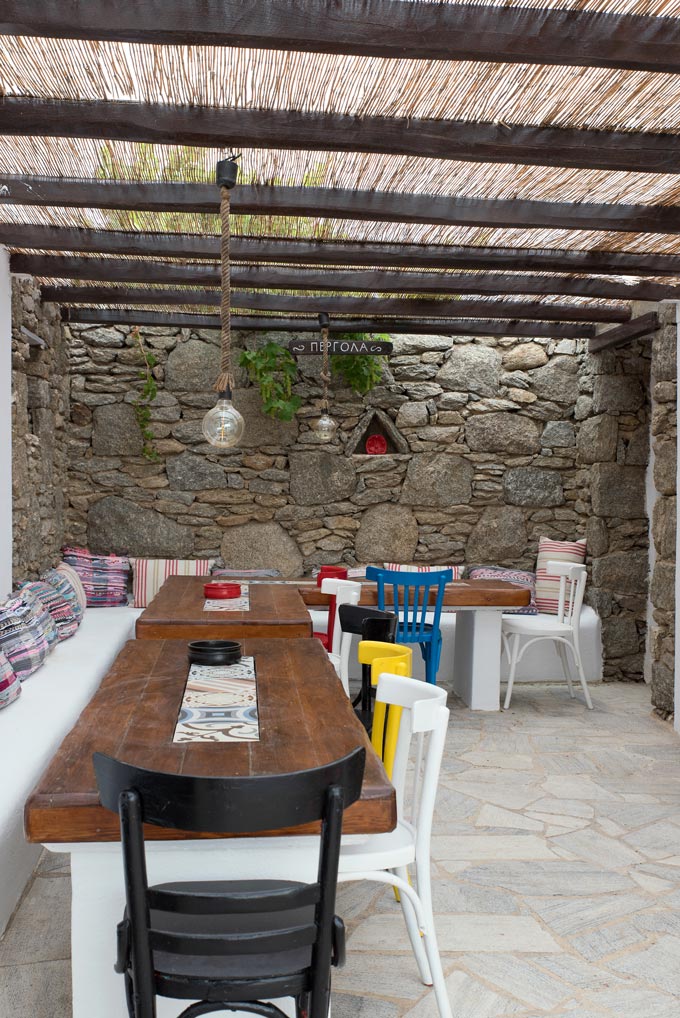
column 325, row 372
column 225, row 380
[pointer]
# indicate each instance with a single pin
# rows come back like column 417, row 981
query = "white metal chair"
column 562, row 629
column 346, row 592
column 405, row 708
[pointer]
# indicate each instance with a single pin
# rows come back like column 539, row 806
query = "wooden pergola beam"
column 370, row 28
column 643, row 325
column 114, row 316
column 351, row 280
column 340, row 203
column 158, row 123
column 258, row 250
column 365, row 307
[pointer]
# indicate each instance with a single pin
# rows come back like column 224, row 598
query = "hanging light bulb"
column 223, row 426
column 325, row 427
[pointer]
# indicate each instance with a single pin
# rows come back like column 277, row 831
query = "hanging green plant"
column 361, row 372
column 146, row 396
column 274, row 370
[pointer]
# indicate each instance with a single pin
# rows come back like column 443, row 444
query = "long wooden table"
column 305, row 720
column 457, row 594
column 176, row 612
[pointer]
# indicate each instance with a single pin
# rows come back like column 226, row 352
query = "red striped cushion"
column 149, row 574
column 547, row 586
column 419, row 567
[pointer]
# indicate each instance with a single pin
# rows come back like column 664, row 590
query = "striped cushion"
column 59, row 608
column 104, row 577
column 75, row 581
column 419, row 567
column 519, row 576
column 10, row 686
column 61, row 582
column 42, row 615
column 149, row 574
column 23, row 638
column 547, row 586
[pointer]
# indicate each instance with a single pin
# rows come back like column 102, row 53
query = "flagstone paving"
column 556, row 875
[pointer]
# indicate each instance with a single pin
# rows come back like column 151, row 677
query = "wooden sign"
column 308, row 347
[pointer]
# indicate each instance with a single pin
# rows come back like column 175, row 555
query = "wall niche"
column 376, row 422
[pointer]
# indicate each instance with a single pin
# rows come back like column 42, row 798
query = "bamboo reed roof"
column 507, row 94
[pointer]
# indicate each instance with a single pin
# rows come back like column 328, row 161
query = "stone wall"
column 664, row 444
column 496, row 442
column 40, row 409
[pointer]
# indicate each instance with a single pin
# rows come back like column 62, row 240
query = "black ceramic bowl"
column 214, row 652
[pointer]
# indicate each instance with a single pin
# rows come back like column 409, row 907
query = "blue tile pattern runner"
column 220, row 704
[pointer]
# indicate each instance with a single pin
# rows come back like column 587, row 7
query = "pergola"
column 462, row 169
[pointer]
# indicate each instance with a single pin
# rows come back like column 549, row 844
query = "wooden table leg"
column 477, row 658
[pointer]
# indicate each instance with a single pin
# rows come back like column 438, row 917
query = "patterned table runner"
column 220, row 704
column 229, row 604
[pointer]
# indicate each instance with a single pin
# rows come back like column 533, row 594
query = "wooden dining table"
column 305, row 720
column 177, row 612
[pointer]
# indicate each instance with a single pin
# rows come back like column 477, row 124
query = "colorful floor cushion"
column 547, row 586
column 419, row 567
column 149, row 574
column 10, row 686
column 105, row 578
column 24, row 625
column 75, row 581
column 62, row 583
column 60, row 609
column 520, row 576
column 42, row 615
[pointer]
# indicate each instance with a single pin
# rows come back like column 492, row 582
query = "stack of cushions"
column 53, row 599
column 547, row 586
column 26, row 634
column 73, row 590
column 519, row 576
column 10, row 686
column 104, row 577
column 419, row 567
column 149, row 574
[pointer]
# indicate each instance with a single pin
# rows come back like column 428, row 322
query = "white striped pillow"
column 149, row 574
column 419, row 567
column 547, row 585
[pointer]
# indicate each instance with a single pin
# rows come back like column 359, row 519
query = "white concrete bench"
column 33, row 727
column 540, row 663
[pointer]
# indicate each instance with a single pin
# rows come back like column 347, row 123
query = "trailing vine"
column 146, row 396
column 274, row 370
column 361, row 372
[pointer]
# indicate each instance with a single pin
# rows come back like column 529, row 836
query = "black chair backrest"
column 233, row 805
column 355, row 617
column 229, row 805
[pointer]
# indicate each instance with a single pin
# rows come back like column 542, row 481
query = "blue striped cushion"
column 60, row 610
column 24, row 625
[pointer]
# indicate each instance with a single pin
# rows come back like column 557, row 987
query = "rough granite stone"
column 663, row 527
column 503, row 432
column 115, row 431
column 664, row 467
column 261, row 546
column 318, row 478
column 662, row 588
column 624, row 572
column 532, row 486
column 524, row 356
column 192, row 366
column 597, row 439
column 438, row 479
column 260, row 429
column 387, row 534
column 618, row 491
column 189, row 472
column 471, row 368
column 558, row 435
column 498, row 537
column 412, row 415
column 617, row 394
column 556, row 381
column 118, row 525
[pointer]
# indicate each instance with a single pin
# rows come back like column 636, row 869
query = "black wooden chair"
column 230, row 945
column 369, row 624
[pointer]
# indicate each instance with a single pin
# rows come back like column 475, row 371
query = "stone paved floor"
column 556, row 878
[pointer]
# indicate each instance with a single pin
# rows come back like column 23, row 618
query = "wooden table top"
column 305, row 717
column 458, row 594
column 176, row 612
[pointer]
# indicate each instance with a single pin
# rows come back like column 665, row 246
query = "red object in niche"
column 222, row 591
column 376, row 445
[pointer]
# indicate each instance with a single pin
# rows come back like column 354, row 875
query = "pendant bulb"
column 223, row 425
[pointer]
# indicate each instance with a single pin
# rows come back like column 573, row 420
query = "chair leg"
column 582, row 675
column 424, row 885
column 566, row 666
column 514, row 653
column 413, row 931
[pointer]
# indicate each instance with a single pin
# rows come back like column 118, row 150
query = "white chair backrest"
column 425, row 716
column 346, row 592
column 572, row 589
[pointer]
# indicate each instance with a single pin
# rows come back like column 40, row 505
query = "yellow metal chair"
column 397, row 660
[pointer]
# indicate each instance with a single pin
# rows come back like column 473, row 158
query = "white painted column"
column 5, row 425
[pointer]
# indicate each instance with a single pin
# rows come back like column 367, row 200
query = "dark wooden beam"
column 113, row 316
column 370, row 28
column 158, row 123
column 340, row 203
column 259, row 250
column 378, row 281
column 333, row 304
column 643, row 325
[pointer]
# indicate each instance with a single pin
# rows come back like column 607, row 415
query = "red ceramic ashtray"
column 222, row 591
column 376, row 445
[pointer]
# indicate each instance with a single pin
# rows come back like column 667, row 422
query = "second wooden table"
column 176, row 612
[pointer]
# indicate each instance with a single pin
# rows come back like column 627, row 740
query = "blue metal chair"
column 410, row 597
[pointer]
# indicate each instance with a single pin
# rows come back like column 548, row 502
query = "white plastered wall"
column 5, row 425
